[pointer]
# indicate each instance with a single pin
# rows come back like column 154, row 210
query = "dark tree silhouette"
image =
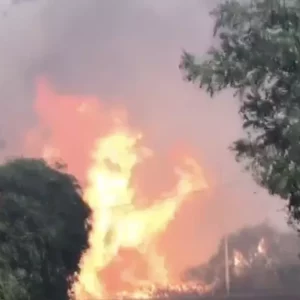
column 43, row 230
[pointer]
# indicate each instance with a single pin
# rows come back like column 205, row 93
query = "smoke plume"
column 127, row 53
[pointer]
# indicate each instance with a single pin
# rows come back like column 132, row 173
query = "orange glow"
column 102, row 149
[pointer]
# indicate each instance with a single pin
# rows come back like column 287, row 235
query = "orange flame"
column 122, row 231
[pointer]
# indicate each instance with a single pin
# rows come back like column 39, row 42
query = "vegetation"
column 258, row 57
column 261, row 260
column 42, row 230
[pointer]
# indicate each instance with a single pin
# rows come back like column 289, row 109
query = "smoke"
column 128, row 52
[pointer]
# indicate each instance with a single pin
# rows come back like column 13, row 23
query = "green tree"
column 258, row 57
column 43, row 230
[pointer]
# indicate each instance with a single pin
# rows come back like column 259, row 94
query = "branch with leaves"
column 258, row 57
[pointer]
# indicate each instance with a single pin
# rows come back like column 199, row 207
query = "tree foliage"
column 43, row 230
column 258, row 57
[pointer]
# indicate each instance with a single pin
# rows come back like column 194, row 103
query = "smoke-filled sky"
column 128, row 51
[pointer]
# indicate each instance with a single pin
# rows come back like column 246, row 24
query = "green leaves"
column 42, row 228
column 258, row 57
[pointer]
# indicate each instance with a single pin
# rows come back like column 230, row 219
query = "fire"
column 261, row 247
column 242, row 262
column 117, row 222
column 123, row 258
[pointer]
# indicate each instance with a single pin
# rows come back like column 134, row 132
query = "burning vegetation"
column 124, row 258
column 261, row 260
column 123, row 252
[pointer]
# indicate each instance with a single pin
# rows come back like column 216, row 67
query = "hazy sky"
column 129, row 51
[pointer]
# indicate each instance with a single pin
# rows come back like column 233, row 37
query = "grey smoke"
column 129, row 51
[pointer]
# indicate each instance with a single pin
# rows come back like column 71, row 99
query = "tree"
column 258, row 57
column 43, row 229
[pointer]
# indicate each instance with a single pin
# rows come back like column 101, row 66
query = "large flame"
column 117, row 223
column 123, row 257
